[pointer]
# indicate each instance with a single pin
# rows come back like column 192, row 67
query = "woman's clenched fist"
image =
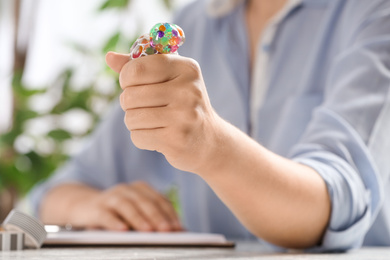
column 167, row 108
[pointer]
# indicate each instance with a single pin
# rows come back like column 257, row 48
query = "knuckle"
column 197, row 93
column 129, row 115
column 127, row 121
column 125, row 98
column 193, row 68
column 126, row 124
column 191, row 115
column 122, row 100
column 191, row 97
column 152, row 210
column 115, row 201
column 123, row 77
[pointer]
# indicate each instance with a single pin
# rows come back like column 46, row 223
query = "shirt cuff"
column 350, row 217
column 343, row 240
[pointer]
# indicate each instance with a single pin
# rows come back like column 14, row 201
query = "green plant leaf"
column 24, row 115
column 112, row 43
column 22, row 171
column 173, row 196
column 8, row 139
column 20, row 90
column 119, row 4
column 59, row 134
column 168, row 4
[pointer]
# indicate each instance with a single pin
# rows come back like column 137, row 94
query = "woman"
column 305, row 84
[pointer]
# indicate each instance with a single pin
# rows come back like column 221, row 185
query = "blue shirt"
column 325, row 104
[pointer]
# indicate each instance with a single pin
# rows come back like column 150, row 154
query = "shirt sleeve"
column 347, row 141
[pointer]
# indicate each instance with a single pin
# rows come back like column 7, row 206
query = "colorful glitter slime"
column 163, row 38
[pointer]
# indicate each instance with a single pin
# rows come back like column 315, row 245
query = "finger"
column 116, row 60
column 150, row 69
column 149, row 118
column 163, row 203
column 168, row 208
column 155, row 95
column 151, row 210
column 110, row 221
column 128, row 211
column 148, row 139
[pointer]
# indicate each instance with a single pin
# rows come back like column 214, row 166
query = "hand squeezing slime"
column 163, row 38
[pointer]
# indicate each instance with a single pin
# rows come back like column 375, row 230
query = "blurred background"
column 54, row 83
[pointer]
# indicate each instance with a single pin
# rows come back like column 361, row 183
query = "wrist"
column 214, row 153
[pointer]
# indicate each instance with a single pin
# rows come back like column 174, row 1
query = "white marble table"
column 243, row 250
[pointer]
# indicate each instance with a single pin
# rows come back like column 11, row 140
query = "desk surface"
column 243, row 250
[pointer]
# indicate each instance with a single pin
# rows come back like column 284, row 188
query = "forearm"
column 281, row 201
column 168, row 110
column 59, row 204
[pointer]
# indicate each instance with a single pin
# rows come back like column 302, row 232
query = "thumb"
column 116, row 60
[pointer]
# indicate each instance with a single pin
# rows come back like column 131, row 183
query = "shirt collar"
column 220, row 8
column 290, row 5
